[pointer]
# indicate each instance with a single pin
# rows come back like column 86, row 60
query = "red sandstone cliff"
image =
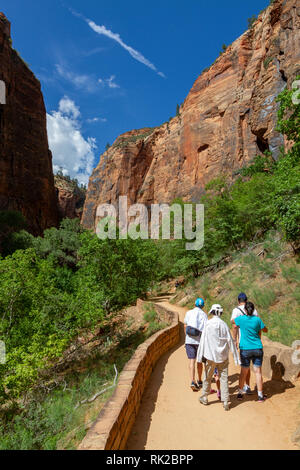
column 26, row 176
column 70, row 198
column 228, row 117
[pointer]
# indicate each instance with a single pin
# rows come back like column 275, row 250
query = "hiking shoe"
column 240, row 396
column 203, row 400
column 262, row 399
column 226, row 406
column 194, row 387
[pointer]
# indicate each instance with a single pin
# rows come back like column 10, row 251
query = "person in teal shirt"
column 251, row 348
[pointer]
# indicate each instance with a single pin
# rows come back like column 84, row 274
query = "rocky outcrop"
column 228, row 117
column 26, row 176
column 70, row 198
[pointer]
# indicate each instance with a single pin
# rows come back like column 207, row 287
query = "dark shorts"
column 254, row 355
column 191, row 350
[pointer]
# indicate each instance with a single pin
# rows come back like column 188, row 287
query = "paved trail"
column 172, row 418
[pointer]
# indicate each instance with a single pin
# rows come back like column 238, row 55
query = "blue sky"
column 107, row 67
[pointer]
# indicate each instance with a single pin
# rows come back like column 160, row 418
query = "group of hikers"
column 208, row 341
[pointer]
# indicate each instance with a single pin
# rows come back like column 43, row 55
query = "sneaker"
column 262, row 399
column 213, row 391
column 194, row 387
column 240, row 396
column 248, row 391
column 226, row 406
column 199, row 383
column 203, row 400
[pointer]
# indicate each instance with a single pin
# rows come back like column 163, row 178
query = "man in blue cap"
column 194, row 323
column 236, row 334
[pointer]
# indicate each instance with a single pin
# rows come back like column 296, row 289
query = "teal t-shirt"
column 250, row 328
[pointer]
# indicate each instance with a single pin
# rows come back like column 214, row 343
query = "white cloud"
column 82, row 82
column 67, row 106
column 96, row 119
column 110, row 82
column 116, row 37
column 70, row 149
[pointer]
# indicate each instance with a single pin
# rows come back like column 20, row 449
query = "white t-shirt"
column 197, row 319
column 236, row 312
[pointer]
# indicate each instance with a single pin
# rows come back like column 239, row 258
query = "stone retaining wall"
column 278, row 361
column 114, row 423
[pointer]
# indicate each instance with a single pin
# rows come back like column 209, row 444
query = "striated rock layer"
column 228, row 117
column 26, row 176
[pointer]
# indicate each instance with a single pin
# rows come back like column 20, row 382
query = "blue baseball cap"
column 242, row 297
column 200, row 302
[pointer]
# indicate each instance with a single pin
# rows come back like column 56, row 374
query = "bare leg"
column 243, row 375
column 192, row 369
column 259, row 379
column 200, row 369
column 248, row 377
column 217, row 379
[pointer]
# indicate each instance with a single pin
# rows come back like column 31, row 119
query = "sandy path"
column 172, row 418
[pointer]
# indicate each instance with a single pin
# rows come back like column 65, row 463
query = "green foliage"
column 12, row 222
column 60, row 178
column 122, row 142
column 66, row 282
column 260, row 164
column 177, row 110
column 150, row 314
column 251, row 21
column 267, row 62
column 151, row 317
column 60, row 246
column 287, row 194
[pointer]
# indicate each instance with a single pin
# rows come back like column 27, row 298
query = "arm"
column 235, row 335
column 233, row 347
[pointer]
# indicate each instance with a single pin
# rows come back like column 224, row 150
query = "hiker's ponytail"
column 249, row 307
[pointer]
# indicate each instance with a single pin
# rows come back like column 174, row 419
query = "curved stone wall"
column 114, row 423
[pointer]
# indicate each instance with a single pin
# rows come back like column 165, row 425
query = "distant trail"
column 172, row 418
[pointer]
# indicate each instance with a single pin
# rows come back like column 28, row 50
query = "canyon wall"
column 26, row 176
column 70, row 198
column 228, row 117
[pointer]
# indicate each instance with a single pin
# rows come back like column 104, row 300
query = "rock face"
column 228, row 117
column 26, row 176
column 70, row 198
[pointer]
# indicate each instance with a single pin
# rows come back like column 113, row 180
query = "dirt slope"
column 172, row 418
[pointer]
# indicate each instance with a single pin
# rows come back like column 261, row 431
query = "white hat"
column 217, row 309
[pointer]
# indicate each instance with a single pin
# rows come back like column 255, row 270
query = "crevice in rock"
column 283, row 76
column 262, row 143
column 203, row 147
